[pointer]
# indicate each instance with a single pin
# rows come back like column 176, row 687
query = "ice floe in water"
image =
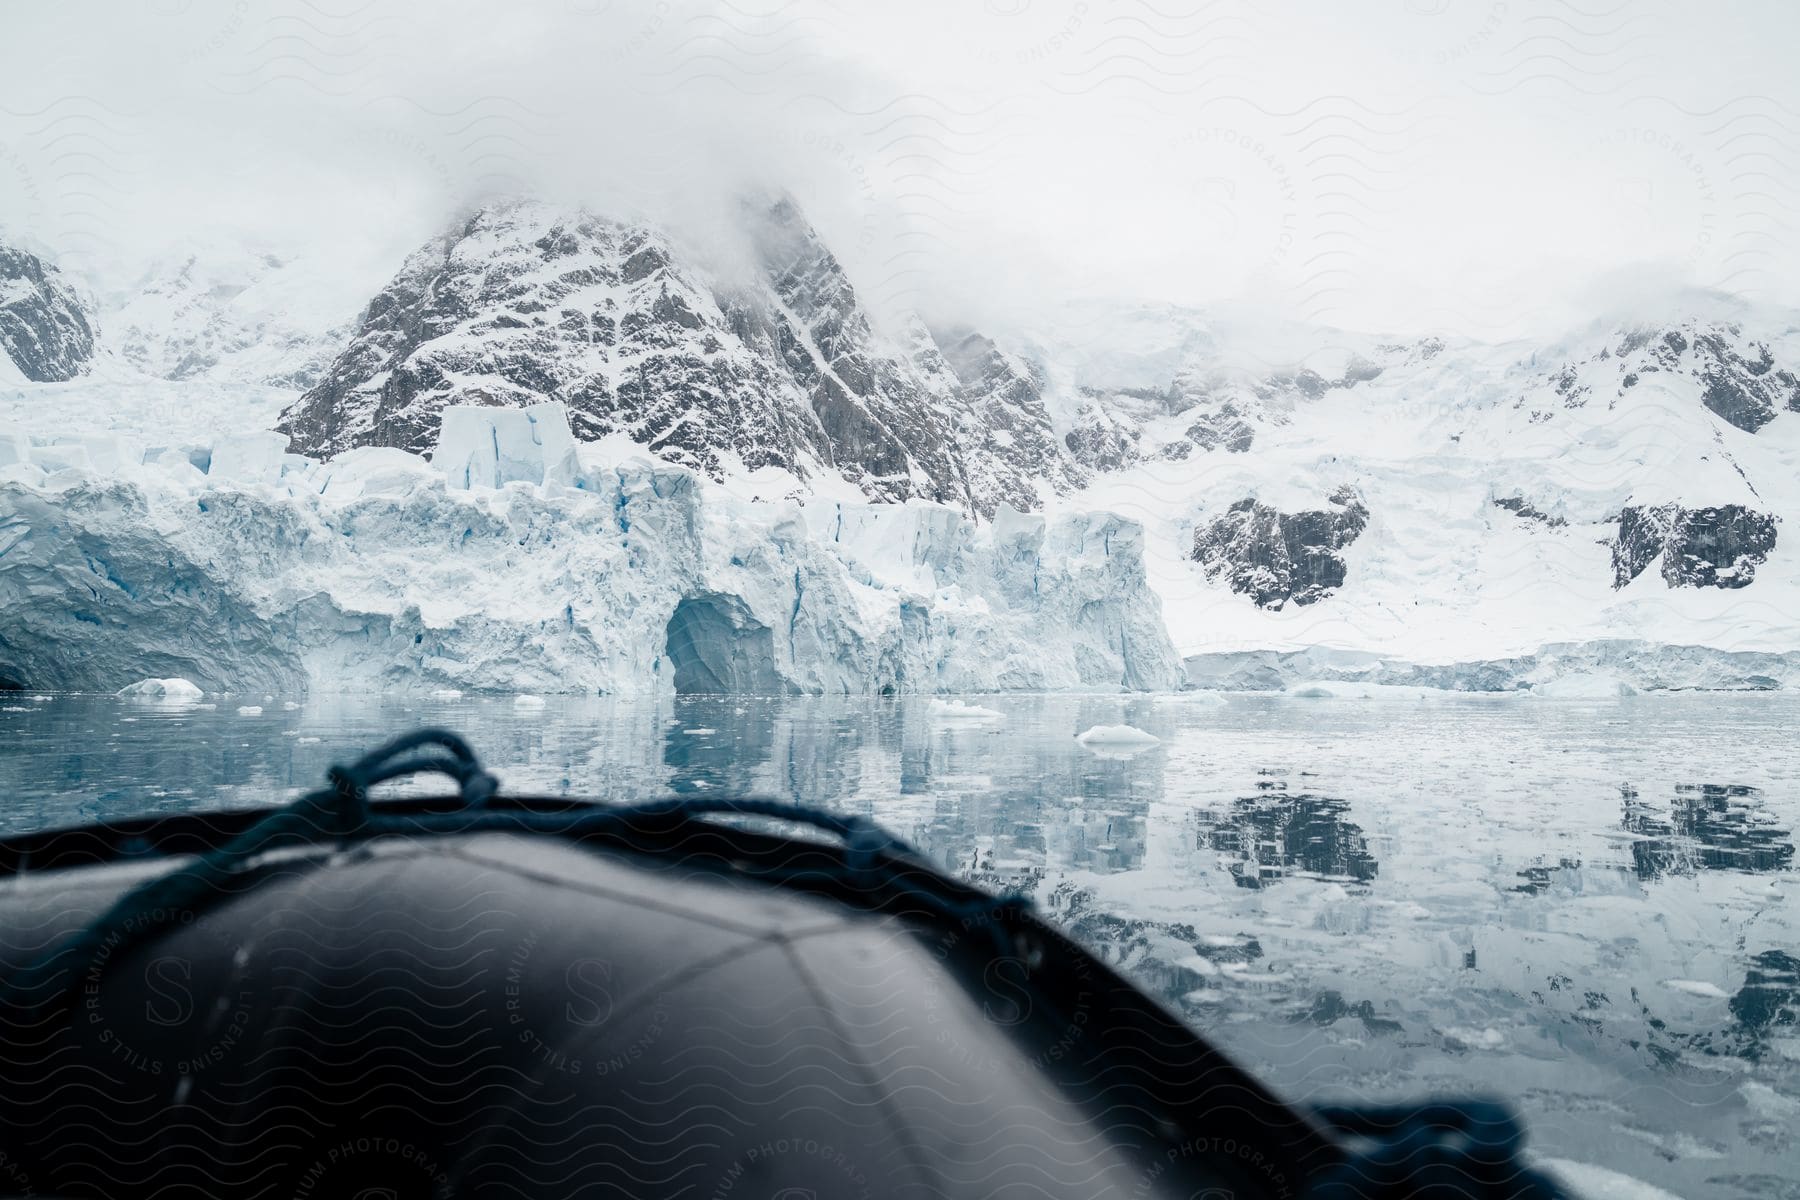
column 1697, row 987
column 527, row 700
column 957, row 710
column 1117, row 737
column 249, row 710
column 1601, row 1183
column 162, row 689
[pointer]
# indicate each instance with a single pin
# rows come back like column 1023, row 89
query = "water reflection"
column 1276, row 834
column 1769, row 1002
column 1709, row 826
column 1365, row 899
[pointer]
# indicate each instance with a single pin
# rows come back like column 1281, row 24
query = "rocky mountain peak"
column 46, row 329
column 1737, row 375
column 639, row 335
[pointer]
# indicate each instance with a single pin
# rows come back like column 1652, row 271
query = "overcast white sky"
column 1474, row 166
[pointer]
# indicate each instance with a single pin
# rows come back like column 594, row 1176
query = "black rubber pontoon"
column 492, row 995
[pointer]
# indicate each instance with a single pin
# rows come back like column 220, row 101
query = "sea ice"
column 957, row 710
column 1697, row 987
column 162, row 689
column 1117, row 735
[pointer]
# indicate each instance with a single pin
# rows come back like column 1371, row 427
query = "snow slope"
column 1499, row 485
column 1308, row 504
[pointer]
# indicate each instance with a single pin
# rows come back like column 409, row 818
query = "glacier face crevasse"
column 642, row 577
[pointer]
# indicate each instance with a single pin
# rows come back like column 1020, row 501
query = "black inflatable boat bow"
column 1439, row 1151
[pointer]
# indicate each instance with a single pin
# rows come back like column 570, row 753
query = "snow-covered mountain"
column 775, row 367
column 46, row 331
column 225, row 314
column 1312, row 503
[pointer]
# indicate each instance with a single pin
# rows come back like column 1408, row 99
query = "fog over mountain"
column 1444, row 344
column 1409, row 166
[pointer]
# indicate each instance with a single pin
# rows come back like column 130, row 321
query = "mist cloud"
column 1444, row 165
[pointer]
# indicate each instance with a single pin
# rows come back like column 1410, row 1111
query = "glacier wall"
column 373, row 571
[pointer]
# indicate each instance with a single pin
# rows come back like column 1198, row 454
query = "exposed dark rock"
column 1101, row 441
column 1699, row 547
column 1745, row 391
column 1274, row 557
column 1002, row 404
column 1522, row 508
column 1224, row 429
column 1738, row 377
column 526, row 303
column 44, row 327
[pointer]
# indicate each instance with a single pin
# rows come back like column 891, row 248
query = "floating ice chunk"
column 1697, row 987
column 482, row 446
column 290, row 705
column 526, row 700
column 305, row 741
column 173, row 688
column 700, row 732
column 956, row 710
column 1768, row 1103
column 1602, row 1183
column 1114, row 736
column 249, row 710
column 1584, row 687
column 1476, row 1039
column 447, row 694
column 249, row 457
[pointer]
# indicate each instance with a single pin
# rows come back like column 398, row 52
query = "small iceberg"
column 162, row 689
column 956, row 710
column 527, row 700
column 249, row 710
column 1697, row 987
column 1114, row 737
column 450, row 694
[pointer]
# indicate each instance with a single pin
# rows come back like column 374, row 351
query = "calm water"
column 1591, row 908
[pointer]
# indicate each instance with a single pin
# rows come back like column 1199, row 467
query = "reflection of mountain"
column 1709, row 826
column 751, row 745
column 1770, row 998
column 1278, row 834
column 1537, row 880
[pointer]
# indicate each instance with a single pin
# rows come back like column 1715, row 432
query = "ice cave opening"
column 716, row 647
